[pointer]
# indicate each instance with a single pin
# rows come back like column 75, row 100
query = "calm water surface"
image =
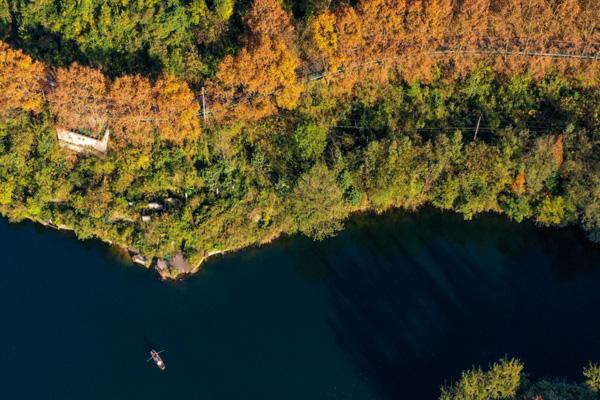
column 389, row 309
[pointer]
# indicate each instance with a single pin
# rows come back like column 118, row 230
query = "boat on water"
column 155, row 355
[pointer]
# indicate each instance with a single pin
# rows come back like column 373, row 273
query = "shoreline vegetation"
column 233, row 122
column 506, row 380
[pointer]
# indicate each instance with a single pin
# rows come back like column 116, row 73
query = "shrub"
column 592, row 373
column 500, row 382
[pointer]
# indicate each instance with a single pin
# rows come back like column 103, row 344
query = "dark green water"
column 389, row 309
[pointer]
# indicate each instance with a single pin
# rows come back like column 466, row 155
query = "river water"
column 389, row 309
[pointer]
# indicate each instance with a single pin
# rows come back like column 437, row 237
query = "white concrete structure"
column 81, row 143
column 155, row 206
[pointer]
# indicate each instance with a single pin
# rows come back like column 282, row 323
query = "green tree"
column 557, row 390
column 317, row 203
column 117, row 36
column 483, row 176
column 224, row 8
column 516, row 208
column 5, row 18
column 311, row 140
column 591, row 212
column 551, row 211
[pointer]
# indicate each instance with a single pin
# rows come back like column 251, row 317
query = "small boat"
column 155, row 355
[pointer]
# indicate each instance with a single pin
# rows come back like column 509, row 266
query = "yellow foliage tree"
column 263, row 75
column 322, row 37
column 501, row 381
column 21, row 81
column 177, row 110
column 592, row 374
column 367, row 37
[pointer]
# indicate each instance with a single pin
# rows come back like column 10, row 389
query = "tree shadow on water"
column 410, row 294
column 417, row 300
column 390, row 330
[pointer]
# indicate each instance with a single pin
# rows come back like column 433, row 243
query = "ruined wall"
column 81, row 143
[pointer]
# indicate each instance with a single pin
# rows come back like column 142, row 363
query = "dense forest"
column 264, row 117
column 506, row 380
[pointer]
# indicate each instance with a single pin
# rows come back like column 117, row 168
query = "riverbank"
column 172, row 273
column 244, row 184
column 137, row 258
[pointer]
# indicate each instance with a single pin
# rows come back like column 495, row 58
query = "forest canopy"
column 257, row 118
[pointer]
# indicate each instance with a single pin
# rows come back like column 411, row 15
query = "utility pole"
column 203, row 106
column 477, row 128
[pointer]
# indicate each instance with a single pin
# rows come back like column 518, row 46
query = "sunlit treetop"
column 21, row 81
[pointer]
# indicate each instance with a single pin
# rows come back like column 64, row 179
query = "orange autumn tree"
column 588, row 29
column 132, row 104
column 80, row 99
column 428, row 26
column 521, row 21
column 530, row 19
column 566, row 14
column 339, row 56
column 262, row 77
column 375, row 39
column 384, row 34
column 351, row 40
column 177, row 110
column 472, row 22
column 84, row 99
column 21, row 81
column 469, row 28
column 558, row 150
column 383, row 25
column 342, row 61
column 518, row 185
column 428, row 21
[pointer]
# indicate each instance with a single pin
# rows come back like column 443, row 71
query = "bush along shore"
column 506, row 380
column 278, row 119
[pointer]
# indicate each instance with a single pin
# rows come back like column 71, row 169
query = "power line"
column 589, row 55
column 539, row 129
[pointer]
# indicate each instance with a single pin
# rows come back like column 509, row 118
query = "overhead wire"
column 593, row 54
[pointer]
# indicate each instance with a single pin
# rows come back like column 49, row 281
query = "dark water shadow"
column 430, row 295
